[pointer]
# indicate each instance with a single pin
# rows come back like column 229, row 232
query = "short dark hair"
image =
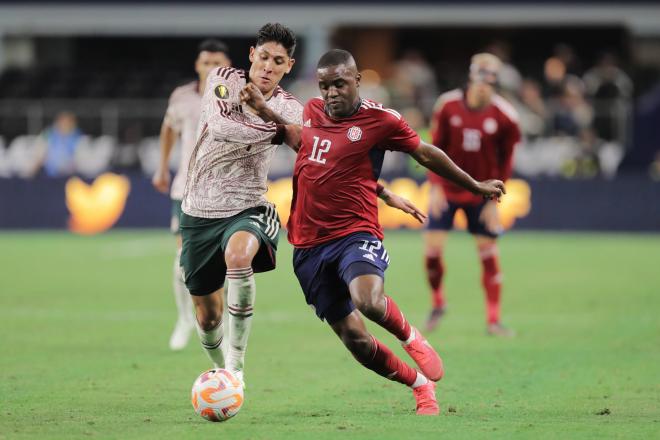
column 277, row 33
column 212, row 45
column 335, row 57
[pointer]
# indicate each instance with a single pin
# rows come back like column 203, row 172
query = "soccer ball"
column 217, row 395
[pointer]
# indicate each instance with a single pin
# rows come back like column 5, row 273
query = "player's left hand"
column 403, row 204
column 491, row 189
column 252, row 97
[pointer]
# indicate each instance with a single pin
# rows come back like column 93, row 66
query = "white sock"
column 181, row 295
column 411, row 337
column 420, row 380
column 211, row 340
column 241, row 291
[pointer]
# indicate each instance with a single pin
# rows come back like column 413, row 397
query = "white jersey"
column 182, row 116
column 229, row 164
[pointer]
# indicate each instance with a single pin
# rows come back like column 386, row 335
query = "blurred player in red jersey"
column 478, row 130
column 339, row 258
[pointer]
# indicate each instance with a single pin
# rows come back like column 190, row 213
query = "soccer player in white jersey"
column 180, row 122
column 229, row 229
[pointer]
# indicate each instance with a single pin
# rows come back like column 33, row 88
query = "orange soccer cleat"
column 427, row 405
column 425, row 357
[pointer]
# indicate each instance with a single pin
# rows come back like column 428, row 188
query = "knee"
column 371, row 303
column 434, row 250
column 237, row 258
column 209, row 319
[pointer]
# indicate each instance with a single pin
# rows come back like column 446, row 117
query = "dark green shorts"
column 175, row 219
column 205, row 240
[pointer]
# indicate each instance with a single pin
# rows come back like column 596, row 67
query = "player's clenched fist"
column 252, row 96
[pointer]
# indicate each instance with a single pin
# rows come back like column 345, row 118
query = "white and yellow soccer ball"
column 217, row 395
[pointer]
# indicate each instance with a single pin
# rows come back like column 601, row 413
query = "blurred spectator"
column 532, row 109
column 509, row 79
column 565, row 53
column 572, row 114
column 58, row 146
column 554, row 74
column 371, row 88
column 611, row 90
column 607, row 80
column 413, row 83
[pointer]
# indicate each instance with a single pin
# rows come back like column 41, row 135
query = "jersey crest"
column 354, row 133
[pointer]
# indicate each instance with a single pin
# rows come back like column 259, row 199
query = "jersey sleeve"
column 173, row 117
column 221, row 97
column 510, row 139
column 401, row 137
column 292, row 112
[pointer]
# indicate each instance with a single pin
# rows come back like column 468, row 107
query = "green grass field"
column 84, row 325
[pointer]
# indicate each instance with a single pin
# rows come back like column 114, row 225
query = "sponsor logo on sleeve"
column 222, row 91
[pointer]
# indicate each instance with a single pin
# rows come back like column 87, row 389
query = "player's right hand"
column 161, row 180
column 251, row 95
column 491, row 189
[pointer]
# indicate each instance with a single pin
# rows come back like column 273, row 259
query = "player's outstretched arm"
column 398, row 202
column 437, row 161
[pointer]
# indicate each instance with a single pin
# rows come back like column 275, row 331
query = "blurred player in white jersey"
column 180, row 122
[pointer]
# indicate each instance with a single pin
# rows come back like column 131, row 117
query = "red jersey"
column 481, row 142
column 336, row 170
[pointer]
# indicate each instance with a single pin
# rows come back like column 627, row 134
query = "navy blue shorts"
column 325, row 271
column 475, row 226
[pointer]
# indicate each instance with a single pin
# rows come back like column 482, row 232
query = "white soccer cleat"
column 181, row 335
column 239, row 375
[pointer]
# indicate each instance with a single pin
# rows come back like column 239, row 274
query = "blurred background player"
column 478, row 130
column 228, row 227
column 58, row 145
column 180, row 122
column 339, row 258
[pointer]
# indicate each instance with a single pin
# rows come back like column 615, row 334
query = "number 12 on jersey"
column 321, row 146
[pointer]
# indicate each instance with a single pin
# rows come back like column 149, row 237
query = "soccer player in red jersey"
column 478, row 130
column 339, row 258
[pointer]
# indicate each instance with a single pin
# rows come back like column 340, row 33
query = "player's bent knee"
column 371, row 303
column 208, row 323
column 238, row 259
column 208, row 319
